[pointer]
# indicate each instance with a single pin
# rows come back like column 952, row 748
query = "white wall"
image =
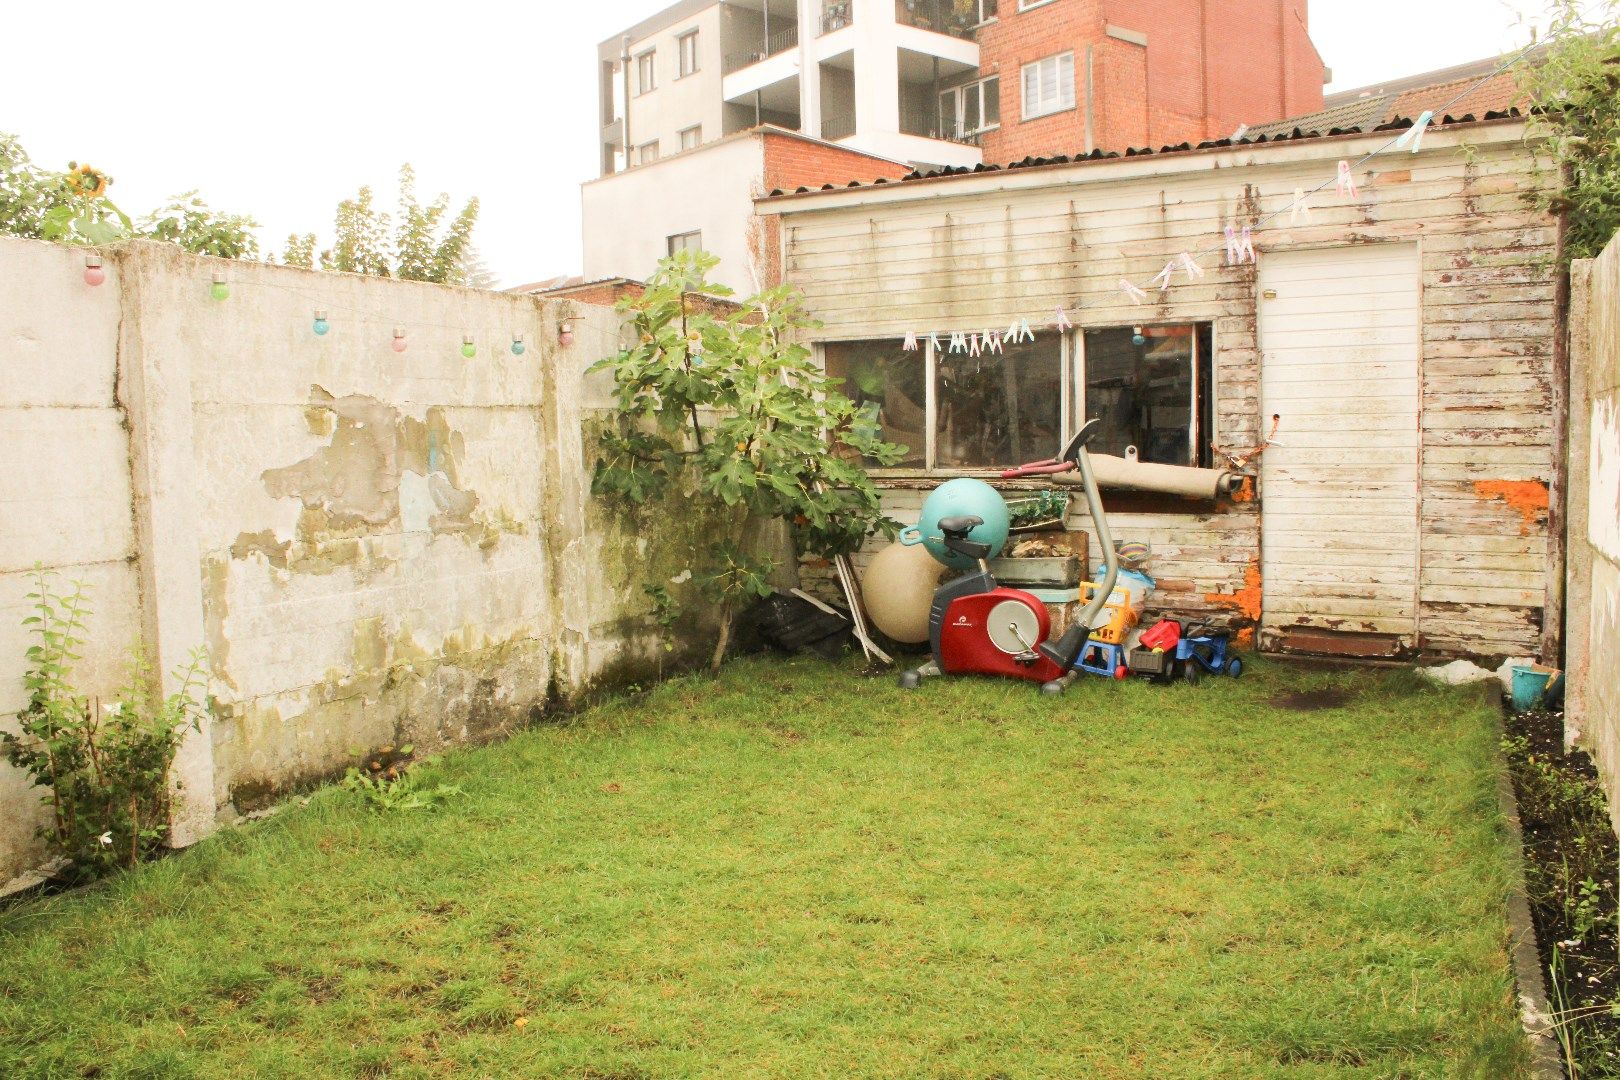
column 629, row 217
column 677, row 103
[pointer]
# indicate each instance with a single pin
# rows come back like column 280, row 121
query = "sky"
column 280, row 110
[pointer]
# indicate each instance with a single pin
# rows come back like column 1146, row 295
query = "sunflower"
column 87, row 182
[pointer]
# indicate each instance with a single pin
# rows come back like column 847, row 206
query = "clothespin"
column 1011, row 334
column 1414, row 134
column 973, row 345
column 1164, row 276
column 1301, row 207
column 1136, row 295
column 958, row 342
column 910, row 344
column 1246, row 245
column 992, row 342
column 933, row 341
column 1062, row 322
column 1190, row 264
column 1347, row 182
column 1024, row 332
column 1234, row 251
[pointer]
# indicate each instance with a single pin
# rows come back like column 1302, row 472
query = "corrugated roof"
column 1365, row 113
column 1296, row 135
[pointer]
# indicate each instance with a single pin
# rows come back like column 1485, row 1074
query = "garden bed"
column 1571, row 855
column 799, row 870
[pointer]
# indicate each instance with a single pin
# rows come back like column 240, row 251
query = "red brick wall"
column 1209, row 66
column 793, row 163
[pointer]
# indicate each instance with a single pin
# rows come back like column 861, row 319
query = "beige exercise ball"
column 898, row 588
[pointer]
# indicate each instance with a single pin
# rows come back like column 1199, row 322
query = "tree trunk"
column 727, row 617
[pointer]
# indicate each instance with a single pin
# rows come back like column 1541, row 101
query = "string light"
column 468, row 349
column 517, row 345
column 93, row 272
column 1137, row 337
column 565, row 333
column 321, row 325
column 399, row 339
column 219, row 290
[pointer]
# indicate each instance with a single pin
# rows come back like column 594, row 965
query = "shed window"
column 1154, row 396
column 999, row 409
column 889, row 387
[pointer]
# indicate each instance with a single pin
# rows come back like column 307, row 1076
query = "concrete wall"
column 370, row 546
column 1592, row 714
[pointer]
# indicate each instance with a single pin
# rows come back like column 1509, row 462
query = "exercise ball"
column 898, row 588
column 962, row 497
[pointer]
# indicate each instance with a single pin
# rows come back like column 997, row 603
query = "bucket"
column 1529, row 686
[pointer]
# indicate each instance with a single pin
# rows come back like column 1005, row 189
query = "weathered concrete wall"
column 65, row 498
column 370, row 546
column 1592, row 711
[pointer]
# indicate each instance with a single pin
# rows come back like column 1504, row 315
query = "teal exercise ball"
column 961, row 497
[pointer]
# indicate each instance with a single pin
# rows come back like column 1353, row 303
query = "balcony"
column 958, row 18
column 836, row 14
column 779, row 42
column 925, row 122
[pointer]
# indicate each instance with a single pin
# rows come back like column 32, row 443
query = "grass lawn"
column 799, row 871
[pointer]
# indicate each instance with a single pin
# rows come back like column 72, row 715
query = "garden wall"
column 370, row 546
column 1592, row 712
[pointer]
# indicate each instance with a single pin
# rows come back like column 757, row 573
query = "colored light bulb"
column 565, row 333
column 468, row 349
column 321, row 325
column 93, row 272
column 219, row 290
column 399, row 339
column 517, row 345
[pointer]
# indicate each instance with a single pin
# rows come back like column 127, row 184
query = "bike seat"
column 960, row 526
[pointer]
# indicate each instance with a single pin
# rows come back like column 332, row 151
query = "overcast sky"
column 282, row 109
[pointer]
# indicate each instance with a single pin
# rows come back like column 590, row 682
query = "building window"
column 692, row 137
column 688, row 63
column 647, row 72
column 1025, row 5
column 965, row 111
column 647, row 153
column 1049, row 85
column 889, row 388
column 1154, row 396
column 686, row 241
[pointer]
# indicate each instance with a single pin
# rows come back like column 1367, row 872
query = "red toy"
column 1165, row 636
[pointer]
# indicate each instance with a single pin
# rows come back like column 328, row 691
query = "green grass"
column 802, row 872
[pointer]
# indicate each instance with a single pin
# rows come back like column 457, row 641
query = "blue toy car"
column 1206, row 648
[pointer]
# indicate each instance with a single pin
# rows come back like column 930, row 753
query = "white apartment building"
column 863, row 74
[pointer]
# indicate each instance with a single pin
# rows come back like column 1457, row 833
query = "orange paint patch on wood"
column 1245, row 491
column 1528, row 497
column 1245, row 601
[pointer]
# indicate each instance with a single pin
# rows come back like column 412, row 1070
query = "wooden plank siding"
column 981, row 251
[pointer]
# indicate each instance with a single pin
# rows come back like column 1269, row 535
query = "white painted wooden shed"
column 1405, row 335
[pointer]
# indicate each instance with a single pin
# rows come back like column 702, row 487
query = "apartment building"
column 925, row 84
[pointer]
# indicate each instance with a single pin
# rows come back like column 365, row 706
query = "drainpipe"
column 624, row 62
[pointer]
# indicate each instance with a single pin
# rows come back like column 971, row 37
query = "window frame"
column 1031, row 5
column 669, row 241
column 685, row 42
column 1072, row 402
column 684, row 132
column 646, row 71
column 959, row 94
column 1065, row 87
column 641, row 153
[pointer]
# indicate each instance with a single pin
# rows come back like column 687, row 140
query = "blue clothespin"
column 1414, row 134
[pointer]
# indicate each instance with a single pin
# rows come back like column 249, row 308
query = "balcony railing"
column 836, row 14
column 779, row 42
column 926, row 122
column 834, row 128
column 958, row 18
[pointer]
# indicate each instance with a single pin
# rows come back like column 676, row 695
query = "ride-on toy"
column 975, row 627
column 1207, row 648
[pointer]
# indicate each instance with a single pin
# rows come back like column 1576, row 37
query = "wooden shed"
column 1403, row 331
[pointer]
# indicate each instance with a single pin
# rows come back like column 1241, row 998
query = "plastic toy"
column 1206, row 648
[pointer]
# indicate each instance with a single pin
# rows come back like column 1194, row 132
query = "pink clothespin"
column 1246, row 244
column 1347, row 182
column 1162, row 280
column 910, row 344
column 1136, row 295
column 1190, row 264
column 1062, row 322
column 973, row 345
column 1239, row 246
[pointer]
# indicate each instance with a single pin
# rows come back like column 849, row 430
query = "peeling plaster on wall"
column 1245, row 601
column 1603, row 523
column 1528, row 497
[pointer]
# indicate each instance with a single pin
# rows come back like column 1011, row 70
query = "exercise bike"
column 975, row 627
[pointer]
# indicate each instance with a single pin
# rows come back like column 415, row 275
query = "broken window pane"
column 1000, row 409
column 888, row 387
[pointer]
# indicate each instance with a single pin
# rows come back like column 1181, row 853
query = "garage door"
column 1339, row 341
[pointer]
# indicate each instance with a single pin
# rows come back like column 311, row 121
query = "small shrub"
column 106, row 764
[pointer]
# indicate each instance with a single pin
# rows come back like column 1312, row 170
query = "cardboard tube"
column 1119, row 472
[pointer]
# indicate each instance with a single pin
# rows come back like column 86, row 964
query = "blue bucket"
column 1530, row 686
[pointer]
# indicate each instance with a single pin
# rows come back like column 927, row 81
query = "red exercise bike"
column 975, row 627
